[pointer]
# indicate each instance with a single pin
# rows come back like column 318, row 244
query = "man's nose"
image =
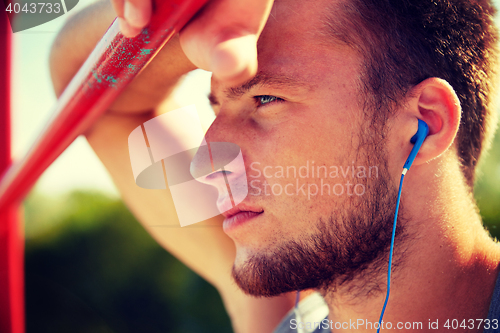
column 221, row 165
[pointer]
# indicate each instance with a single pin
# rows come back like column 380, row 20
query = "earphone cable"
column 391, row 250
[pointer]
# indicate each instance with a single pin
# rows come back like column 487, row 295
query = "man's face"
column 311, row 172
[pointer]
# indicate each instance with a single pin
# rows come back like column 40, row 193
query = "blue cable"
column 391, row 251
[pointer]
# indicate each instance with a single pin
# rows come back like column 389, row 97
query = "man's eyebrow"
column 265, row 79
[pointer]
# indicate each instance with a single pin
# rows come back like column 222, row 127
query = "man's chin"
column 257, row 286
column 273, row 274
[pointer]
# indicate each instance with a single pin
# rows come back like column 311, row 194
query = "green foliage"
column 487, row 189
column 92, row 268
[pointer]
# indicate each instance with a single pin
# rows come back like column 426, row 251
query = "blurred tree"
column 487, row 189
column 92, row 268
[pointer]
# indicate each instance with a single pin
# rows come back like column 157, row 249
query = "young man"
column 340, row 85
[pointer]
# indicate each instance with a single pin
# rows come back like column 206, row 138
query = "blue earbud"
column 417, row 139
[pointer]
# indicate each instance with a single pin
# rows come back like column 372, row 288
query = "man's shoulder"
column 311, row 315
column 494, row 311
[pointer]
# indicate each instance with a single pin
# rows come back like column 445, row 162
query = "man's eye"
column 267, row 99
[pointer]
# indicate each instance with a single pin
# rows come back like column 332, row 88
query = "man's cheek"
column 255, row 188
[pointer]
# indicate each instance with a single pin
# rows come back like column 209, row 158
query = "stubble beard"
column 351, row 244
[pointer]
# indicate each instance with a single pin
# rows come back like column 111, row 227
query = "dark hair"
column 403, row 42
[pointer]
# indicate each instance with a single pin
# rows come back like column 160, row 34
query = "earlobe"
column 437, row 104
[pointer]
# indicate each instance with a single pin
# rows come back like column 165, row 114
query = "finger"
column 133, row 15
column 223, row 37
column 126, row 29
column 235, row 59
column 137, row 13
column 118, row 7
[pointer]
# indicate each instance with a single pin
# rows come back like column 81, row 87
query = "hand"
column 222, row 39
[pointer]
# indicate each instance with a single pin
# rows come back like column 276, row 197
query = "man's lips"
column 241, row 209
column 237, row 216
column 230, row 223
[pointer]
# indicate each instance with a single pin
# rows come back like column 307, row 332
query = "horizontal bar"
column 115, row 61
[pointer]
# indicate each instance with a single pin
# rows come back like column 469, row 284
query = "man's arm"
column 204, row 247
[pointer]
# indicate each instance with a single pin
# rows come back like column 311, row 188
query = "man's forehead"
column 284, row 10
column 291, row 43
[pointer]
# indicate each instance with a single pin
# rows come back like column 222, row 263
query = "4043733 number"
column 35, row 8
column 455, row 324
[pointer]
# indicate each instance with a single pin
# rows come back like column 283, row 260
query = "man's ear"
column 435, row 102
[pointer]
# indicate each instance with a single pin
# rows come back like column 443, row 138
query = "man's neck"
column 446, row 269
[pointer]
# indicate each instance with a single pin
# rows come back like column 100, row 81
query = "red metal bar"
column 11, row 238
column 115, row 61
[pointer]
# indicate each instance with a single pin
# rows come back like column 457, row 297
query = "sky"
column 34, row 100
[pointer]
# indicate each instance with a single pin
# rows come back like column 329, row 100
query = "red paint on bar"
column 11, row 238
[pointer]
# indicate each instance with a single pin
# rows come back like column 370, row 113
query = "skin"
column 447, row 266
